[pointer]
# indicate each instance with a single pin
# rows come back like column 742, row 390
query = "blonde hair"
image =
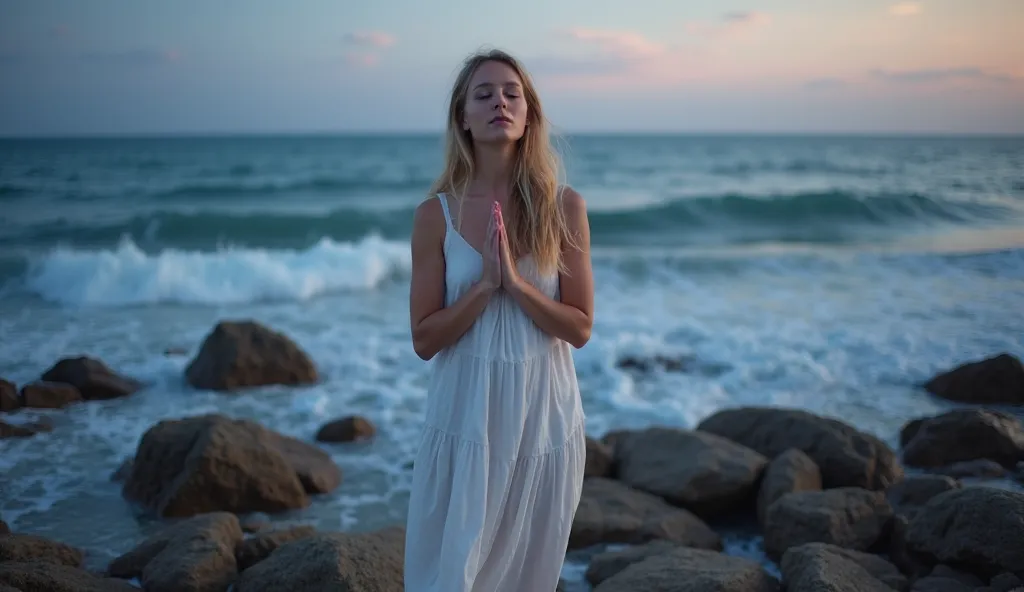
column 537, row 225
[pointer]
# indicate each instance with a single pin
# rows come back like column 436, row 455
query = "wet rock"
column 123, row 471
column 978, row 469
column 600, row 462
column 789, row 472
column 347, row 429
column 612, row 512
column 255, row 549
column 702, row 472
column 213, row 463
column 947, row 579
column 816, row 567
column 909, row 494
column 336, row 561
column 4, row 529
column 607, row 564
column 846, row 456
column 8, row 396
column 242, row 354
column 93, row 379
column 691, row 570
column 963, row 435
column 29, row 548
column 848, row 517
column 195, row 555
column 15, row 431
column 995, row 380
column 1006, row 582
column 41, row 576
column 49, row 395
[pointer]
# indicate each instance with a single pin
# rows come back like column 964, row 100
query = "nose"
column 501, row 102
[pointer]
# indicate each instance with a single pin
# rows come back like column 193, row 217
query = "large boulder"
column 49, row 395
column 242, row 354
column 31, row 548
column 691, row 570
column 980, row 529
column 818, row 567
column 195, row 555
column 848, row 517
column 600, row 460
column 789, row 472
column 370, row 562
column 93, row 379
column 908, row 495
column 42, row 576
column 702, row 472
column 214, row 463
column 255, row 549
column 995, row 380
column 846, row 456
column 612, row 512
column 963, row 435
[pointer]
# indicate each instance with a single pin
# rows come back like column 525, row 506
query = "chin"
column 500, row 136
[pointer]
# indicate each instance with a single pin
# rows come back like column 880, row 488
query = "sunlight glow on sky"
column 123, row 66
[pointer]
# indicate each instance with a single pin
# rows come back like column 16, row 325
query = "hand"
column 491, row 278
column 509, row 271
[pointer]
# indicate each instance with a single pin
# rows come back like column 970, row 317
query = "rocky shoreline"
column 838, row 508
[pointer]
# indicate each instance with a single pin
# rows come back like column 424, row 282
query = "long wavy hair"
column 536, row 224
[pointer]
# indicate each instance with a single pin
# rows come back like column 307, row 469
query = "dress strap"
column 444, row 206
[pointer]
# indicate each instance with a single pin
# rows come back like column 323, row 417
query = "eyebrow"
column 509, row 83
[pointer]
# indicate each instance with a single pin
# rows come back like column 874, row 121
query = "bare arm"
column 571, row 318
column 434, row 326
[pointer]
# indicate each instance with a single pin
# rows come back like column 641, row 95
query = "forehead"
column 494, row 73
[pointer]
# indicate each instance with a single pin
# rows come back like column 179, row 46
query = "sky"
column 69, row 67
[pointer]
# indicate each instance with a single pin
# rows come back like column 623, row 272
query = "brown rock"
column 243, row 354
column 29, row 547
column 691, row 570
column 977, row 528
column 253, row 550
column 195, row 555
column 4, row 529
column 790, row 472
column 612, row 512
column 92, row 378
column 979, row 469
column 599, row 459
column 41, row 576
column 211, row 463
column 8, row 396
column 847, row 517
column 818, row 566
column 995, row 380
column 909, row 494
column 336, row 561
column 49, row 395
column 702, row 472
column 963, row 435
column 846, row 456
column 346, row 429
column 607, row 564
column 123, row 471
column 15, row 431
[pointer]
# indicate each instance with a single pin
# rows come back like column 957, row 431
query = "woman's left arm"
column 571, row 317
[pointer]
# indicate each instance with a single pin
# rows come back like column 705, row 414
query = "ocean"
column 832, row 274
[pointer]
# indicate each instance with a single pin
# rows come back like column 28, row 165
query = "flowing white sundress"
column 499, row 471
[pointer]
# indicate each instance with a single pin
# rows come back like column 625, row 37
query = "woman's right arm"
column 434, row 326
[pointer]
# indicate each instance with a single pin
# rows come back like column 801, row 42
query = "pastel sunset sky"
column 201, row 66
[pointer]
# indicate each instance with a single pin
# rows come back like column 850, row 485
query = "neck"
column 494, row 164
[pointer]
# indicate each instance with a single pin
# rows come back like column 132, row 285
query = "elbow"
column 581, row 337
column 422, row 346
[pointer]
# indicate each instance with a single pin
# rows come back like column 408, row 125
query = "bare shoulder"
column 428, row 212
column 572, row 202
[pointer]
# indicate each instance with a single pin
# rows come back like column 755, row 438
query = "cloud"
column 924, row 76
column 375, row 39
column 906, row 9
column 731, row 24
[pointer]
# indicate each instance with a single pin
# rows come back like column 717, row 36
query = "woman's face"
column 496, row 108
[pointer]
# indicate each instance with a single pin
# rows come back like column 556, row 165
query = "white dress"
column 499, row 471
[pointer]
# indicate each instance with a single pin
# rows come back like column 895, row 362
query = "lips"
column 501, row 118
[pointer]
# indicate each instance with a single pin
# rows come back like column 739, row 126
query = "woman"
column 501, row 287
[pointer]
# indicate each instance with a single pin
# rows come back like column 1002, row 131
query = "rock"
column 909, row 494
column 607, row 564
column 29, row 548
column 600, row 462
column 4, row 529
column 213, row 463
column 1006, row 582
column 666, row 363
column 256, row 523
column 40, row 576
column 49, row 395
column 789, row 472
column 123, row 471
column 15, row 431
column 910, row 564
column 848, row 517
column 963, row 435
column 995, row 380
column 194, row 555
column 243, row 354
column 691, row 570
column 8, row 396
column 979, row 469
column 336, row 561
column 977, row 528
column 846, row 456
column 346, row 429
column 253, row 550
column 702, row 472
column 93, row 379
column 612, row 512
column 946, row 579
column 819, row 566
